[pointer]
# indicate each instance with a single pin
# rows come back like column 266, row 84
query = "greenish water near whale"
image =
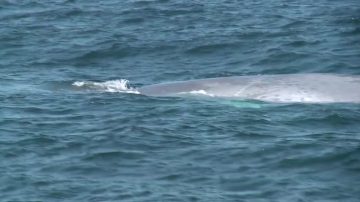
column 64, row 143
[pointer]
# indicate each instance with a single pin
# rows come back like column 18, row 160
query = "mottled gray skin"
column 283, row 88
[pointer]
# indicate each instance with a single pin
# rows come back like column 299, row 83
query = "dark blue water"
column 62, row 143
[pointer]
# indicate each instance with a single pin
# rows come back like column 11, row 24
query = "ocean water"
column 61, row 141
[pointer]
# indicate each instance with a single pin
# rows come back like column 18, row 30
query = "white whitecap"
column 121, row 86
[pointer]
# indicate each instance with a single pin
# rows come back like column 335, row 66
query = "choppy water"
column 63, row 143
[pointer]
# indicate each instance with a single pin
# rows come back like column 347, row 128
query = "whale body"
column 282, row 88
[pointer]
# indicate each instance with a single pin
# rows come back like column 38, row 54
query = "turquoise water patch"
column 243, row 104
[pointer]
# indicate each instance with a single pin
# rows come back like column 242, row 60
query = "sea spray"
column 121, row 85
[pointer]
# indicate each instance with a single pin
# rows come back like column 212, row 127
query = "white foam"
column 198, row 92
column 120, row 86
column 79, row 83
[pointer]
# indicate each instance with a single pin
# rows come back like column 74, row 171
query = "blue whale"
column 282, row 88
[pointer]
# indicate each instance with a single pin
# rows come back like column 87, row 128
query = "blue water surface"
column 63, row 143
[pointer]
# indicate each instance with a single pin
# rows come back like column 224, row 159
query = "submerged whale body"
column 283, row 88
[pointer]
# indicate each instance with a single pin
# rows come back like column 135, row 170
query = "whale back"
column 308, row 88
